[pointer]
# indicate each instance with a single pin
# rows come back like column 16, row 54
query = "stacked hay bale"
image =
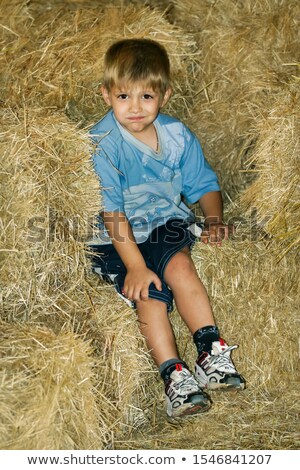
column 247, row 109
column 78, row 344
column 58, row 64
column 47, row 398
column 249, row 54
column 275, row 193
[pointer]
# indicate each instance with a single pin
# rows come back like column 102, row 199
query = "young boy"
column 148, row 163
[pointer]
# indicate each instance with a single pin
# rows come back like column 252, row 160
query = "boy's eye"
column 122, row 96
column 147, row 96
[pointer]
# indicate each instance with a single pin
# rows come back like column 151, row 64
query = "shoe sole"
column 235, row 383
column 189, row 411
column 214, row 387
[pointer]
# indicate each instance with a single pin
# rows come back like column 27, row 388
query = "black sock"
column 167, row 367
column 204, row 337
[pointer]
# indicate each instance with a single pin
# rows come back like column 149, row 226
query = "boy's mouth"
column 135, row 118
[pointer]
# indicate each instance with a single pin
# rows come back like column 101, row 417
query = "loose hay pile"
column 102, row 384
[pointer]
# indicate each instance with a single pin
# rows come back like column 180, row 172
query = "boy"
column 147, row 163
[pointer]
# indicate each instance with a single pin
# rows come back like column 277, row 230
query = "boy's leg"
column 183, row 394
column 214, row 368
column 189, row 293
column 155, row 327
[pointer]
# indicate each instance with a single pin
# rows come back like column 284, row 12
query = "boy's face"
column 135, row 106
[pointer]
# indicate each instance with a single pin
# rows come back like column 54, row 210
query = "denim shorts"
column 164, row 242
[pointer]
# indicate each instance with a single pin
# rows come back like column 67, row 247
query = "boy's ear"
column 105, row 95
column 166, row 97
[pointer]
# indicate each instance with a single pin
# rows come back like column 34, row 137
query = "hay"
column 247, row 109
column 247, row 57
column 58, row 60
column 275, row 192
column 256, row 305
column 51, row 72
column 47, row 395
column 50, row 194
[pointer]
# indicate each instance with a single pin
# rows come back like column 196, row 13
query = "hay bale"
column 256, row 303
column 274, row 194
column 58, row 64
column 247, row 105
column 246, row 58
column 49, row 194
column 48, row 399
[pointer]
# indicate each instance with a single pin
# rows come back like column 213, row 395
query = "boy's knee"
column 150, row 306
column 180, row 264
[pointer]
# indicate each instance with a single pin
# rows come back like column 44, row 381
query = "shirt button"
column 153, row 199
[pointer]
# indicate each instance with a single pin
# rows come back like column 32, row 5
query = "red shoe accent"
column 179, row 367
column 202, row 357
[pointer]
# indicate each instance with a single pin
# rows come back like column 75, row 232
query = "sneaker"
column 216, row 371
column 184, row 397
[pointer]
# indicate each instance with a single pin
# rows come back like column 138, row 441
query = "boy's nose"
column 135, row 106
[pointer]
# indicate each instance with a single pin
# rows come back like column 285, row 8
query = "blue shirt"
column 149, row 186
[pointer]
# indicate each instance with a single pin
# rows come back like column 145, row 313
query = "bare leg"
column 192, row 303
column 189, row 293
column 156, row 328
column 183, row 394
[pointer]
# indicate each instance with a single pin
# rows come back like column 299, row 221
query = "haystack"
column 49, row 197
column 51, row 72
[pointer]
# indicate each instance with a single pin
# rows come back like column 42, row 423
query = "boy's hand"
column 137, row 282
column 214, row 233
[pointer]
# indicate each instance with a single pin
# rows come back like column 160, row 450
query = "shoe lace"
column 188, row 384
column 223, row 358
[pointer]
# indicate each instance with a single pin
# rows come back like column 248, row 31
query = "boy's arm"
column 138, row 277
column 215, row 230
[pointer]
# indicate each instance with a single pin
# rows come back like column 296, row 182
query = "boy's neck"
column 148, row 136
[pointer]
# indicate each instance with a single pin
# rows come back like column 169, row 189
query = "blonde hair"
column 133, row 60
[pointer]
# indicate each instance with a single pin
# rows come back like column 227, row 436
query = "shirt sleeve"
column 198, row 178
column 105, row 161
